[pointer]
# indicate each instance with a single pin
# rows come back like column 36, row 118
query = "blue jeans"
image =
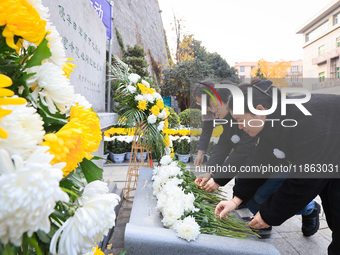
column 268, row 188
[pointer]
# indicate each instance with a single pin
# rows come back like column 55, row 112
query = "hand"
column 257, row 222
column 199, row 159
column 211, row 186
column 224, row 207
column 201, row 180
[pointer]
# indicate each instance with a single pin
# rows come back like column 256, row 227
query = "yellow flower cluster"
column 160, row 104
column 68, row 68
column 115, row 131
column 6, row 99
column 154, row 110
column 22, row 20
column 142, row 105
column 75, row 140
column 180, row 132
column 166, row 140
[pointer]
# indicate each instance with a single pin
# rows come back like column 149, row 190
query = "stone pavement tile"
column 315, row 244
column 283, row 247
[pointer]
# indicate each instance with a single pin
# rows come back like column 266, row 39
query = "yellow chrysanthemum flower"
column 76, row 140
column 142, row 105
column 160, row 104
column 142, row 88
column 166, row 124
column 155, row 110
column 97, row 251
column 68, row 68
column 6, row 99
column 90, row 126
column 67, row 145
column 22, row 20
column 150, row 91
column 166, row 140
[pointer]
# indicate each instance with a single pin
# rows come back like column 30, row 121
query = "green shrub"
column 117, row 147
column 181, row 146
column 191, row 118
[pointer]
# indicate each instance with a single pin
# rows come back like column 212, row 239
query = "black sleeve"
column 221, row 149
column 237, row 158
column 246, row 187
column 207, row 129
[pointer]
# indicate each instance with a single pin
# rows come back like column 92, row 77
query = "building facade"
column 321, row 50
column 292, row 78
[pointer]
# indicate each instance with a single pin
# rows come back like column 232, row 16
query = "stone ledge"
column 107, row 119
column 145, row 233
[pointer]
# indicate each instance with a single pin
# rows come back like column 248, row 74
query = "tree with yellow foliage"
column 272, row 70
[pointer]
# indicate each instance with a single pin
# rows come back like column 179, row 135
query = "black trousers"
column 330, row 197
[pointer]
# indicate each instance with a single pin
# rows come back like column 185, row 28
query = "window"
column 338, row 41
column 338, row 72
column 294, row 79
column 321, row 50
column 322, row 77
column 241, row 68
column 317, row 31
column 336, row 18
column 295, row 68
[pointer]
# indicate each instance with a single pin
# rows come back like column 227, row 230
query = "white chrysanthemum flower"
column 131, row 89
column 146, row 83
column 88, row 225
column 172, row 212
column 149, row 98
column 187, row 229
column 81, row 101
column 53, row 87
column 279, row 154
column 107, row 139
column 134, row 77
column 152, row 119
column 162, row 114
column 56, row 46
column 161, row 126
column 139, row 97
column 129, row 138
column 173, row 138
column 156, row 96
column 166, row 160
column 25, row 130
column 29, row 191
column 235, row 139
column 93, row 189
column 189, row 200
column 185, row 137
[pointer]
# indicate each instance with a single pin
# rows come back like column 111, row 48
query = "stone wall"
column 139, row 22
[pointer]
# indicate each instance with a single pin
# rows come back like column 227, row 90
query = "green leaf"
column 125, row 251
column 91, row 171
column 43, row 237
column 42, row 52
column 52, row 122
column 9, row 250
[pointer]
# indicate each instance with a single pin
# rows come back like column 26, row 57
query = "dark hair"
column 262, row 95
column 224, row 93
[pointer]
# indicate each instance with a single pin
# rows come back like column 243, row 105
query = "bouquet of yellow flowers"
column 142, row 107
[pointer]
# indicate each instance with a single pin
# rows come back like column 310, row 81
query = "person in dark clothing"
column 207, row 122
column 313, row 142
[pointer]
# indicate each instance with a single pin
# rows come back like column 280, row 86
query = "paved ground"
column 287, row 238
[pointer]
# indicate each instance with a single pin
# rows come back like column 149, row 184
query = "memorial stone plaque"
column 84, row 39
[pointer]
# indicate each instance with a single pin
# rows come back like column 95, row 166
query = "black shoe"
column 311, row 222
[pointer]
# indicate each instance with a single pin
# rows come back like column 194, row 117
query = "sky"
column 243, row 30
